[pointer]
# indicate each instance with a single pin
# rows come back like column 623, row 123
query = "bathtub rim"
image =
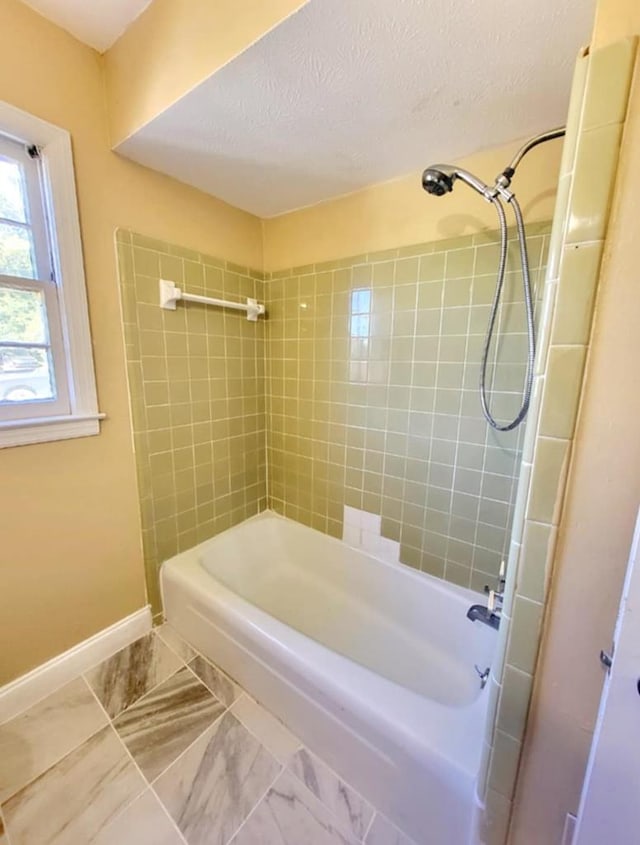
column 438, row 584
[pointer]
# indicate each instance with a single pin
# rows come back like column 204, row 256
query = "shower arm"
column 503, row 180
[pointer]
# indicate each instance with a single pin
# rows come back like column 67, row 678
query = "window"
column 360, row 333
column 47, row 387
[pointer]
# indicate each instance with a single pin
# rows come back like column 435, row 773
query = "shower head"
column 439, row 178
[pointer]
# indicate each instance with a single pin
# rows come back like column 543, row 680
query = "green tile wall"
column 197, row 388
column 372, row 376
column 360, row 389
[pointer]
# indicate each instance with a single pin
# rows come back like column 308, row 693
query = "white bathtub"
column 370, row 663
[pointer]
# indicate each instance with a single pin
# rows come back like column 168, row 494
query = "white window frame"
column 43, row 282
column 59, row 191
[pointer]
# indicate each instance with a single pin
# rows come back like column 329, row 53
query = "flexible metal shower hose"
column 528, row 301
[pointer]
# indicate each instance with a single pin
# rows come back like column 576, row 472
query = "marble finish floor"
column 157, row 746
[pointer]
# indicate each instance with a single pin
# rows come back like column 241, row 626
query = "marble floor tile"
column 71, row 802
column 36, row 739
column 220, row 684
column 214, row 785
column 171, row 637
column 291, row 815
column 382, row 832
column 145, row 822
column 129, row 674
column 266, row 728
column 353, row 812
column 161, row 724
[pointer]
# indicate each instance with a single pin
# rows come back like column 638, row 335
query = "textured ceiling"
column 345, row 94
column 96, row 22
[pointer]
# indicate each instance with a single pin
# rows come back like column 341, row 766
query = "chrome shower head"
column 439, row 178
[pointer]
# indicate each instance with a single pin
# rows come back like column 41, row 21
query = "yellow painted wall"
column 615, row 19
column 70, row 547
column 400, row 213
column 601, row 504
column 173, row 46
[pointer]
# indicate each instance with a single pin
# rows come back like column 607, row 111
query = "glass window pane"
column 360, row 325
column 23, row 316
column 12, row 190
column 17, row 256
column 361, row 301
column 26, row 375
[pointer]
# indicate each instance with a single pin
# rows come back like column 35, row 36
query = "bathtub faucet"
column 491, row 614
column 480, row 613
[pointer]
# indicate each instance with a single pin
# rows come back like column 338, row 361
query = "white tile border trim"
column 25, row 691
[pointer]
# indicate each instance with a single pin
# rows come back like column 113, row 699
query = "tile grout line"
column 483, row 470
column 284, row 766
column 155, row 686
column 456, row 457
column 260, row 800
column 115, row 732
column 185, row 750
column 206, row 659
column 137, row 767
column 407, row 840
column 167, row 814
column 191, row 659
column 156, row 631
column 370, row 825
column 338, row 777
column 246, row 695
column 211, row 693
column 215, row 721
column 436, row 387
column 341, row 827
column 66, row 753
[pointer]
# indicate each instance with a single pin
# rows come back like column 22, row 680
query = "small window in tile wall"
column 47, row 388
column 360, row 334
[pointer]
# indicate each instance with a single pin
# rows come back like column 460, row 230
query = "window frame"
column 43, row 282
column 37, row 221
column 60, row 404
column 65, row 245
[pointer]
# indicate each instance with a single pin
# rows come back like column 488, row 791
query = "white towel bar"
column 170, row 294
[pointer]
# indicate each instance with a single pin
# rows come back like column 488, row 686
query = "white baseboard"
column 25, row 691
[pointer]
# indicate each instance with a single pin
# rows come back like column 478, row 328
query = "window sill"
column 45, row 429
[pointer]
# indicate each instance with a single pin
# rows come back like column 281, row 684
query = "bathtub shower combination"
column 381, row 670
column 371, row 664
